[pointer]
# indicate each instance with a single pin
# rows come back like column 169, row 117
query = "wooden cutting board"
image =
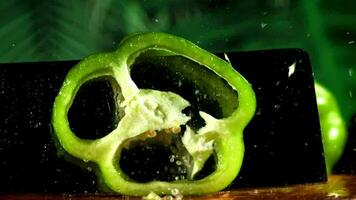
column 337, row 187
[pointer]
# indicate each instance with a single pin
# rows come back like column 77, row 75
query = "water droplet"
column 175, row 191
column 258, row 112
column 351, row 72
column 178, row 162
column 227, row 58
column 263, row 25
column 291, row 69
column 37, row 125
column 276, row 106
column 171, row 158
column 156, row 20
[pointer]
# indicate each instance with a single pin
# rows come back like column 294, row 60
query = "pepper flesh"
column 332, row 125
column 150, row 110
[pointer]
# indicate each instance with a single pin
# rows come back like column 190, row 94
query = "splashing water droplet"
column 351, row 72
column 263, row 25
column 89, row 169
column 291, row 69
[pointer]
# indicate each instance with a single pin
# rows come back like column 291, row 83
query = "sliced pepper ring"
column 156, row 110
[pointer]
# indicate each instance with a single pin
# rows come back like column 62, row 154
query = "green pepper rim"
column 229, row 149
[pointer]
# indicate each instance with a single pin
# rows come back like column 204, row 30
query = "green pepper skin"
column 227, row 132
column 332, row 125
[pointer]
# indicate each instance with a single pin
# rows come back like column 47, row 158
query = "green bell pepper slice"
column 147, row 111
column 332, row 126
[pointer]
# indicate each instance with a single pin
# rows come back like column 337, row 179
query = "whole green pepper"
column 332, row 125
column 148, row 111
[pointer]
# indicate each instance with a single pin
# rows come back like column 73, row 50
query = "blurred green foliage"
column 38, row 30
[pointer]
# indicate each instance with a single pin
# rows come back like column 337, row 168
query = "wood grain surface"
column 337, row 187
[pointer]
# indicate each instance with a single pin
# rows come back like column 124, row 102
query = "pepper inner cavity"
column 160, row 156
column 204, row 89
column 94, row 112
column 156, row 155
